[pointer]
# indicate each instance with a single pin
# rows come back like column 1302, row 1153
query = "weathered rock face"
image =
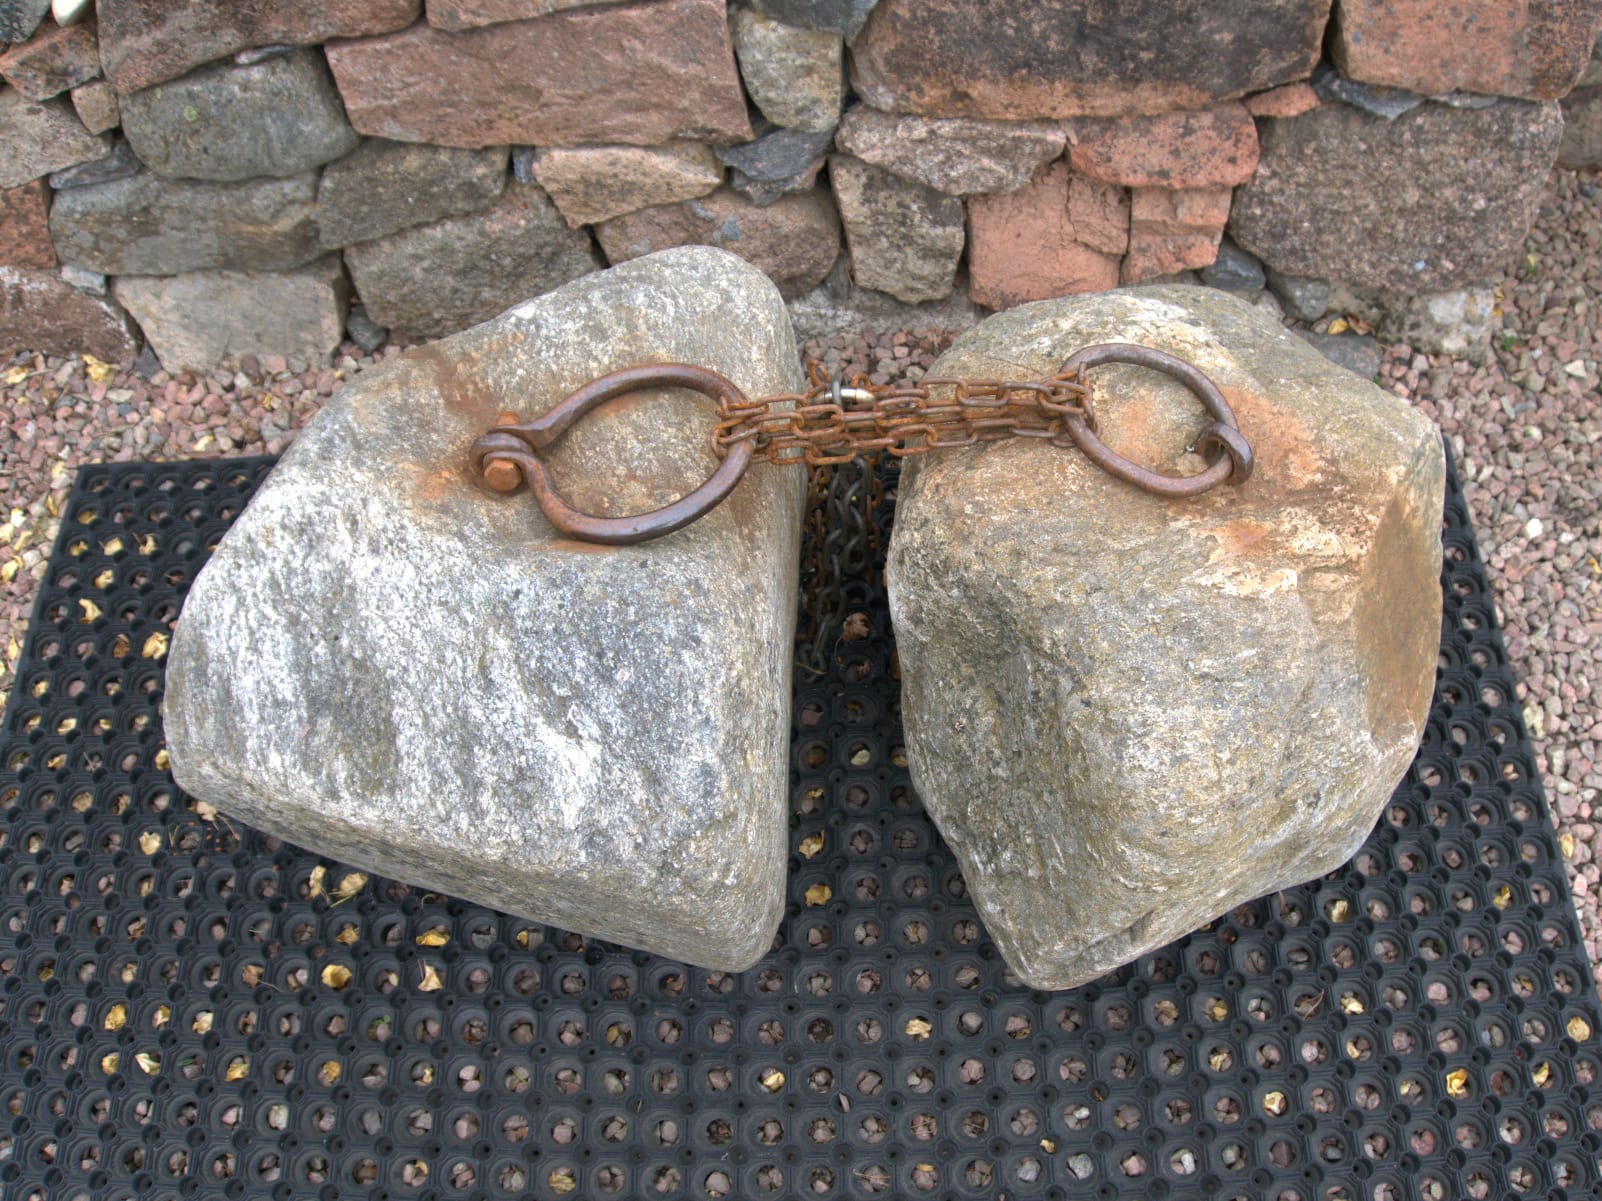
column 36, row 139
column 119, row 164
column 280, row 116
column 52, row 62
column 1582, row 129
column 1173, row 230
column 777, row 163
column 1020, row 59
column 794, row 241
column 1215, row 148
column 19, row 18
column 844, row 17
column 1535, row 51
column 1038, row 242
column 591, row 184
column 202, row 319
column 25, row 227
column 1129, row 715
column 793, row 74
column 958, row 156
column 1437, row 199
column 601, row 736
column 144, row 42
column 905, row 239
column 389, row 186
column 469, row 14
column 145, row 225
column 641, row 74
column 40, row 311
column 437, row 279
column 96, row 105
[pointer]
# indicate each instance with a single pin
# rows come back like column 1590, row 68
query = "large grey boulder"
column 1128, row 715
column 392, row 665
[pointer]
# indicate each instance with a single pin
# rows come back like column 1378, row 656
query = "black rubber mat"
column 193, row 1010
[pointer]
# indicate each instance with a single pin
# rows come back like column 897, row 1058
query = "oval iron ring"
column 1234, row 464
column 523, row 443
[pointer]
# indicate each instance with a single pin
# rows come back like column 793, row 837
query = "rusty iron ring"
column 1233, row 464
column 521, row 444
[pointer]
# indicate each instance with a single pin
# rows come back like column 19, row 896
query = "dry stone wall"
column 264, row 176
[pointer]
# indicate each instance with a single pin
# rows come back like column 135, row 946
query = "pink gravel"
column 1524, row 429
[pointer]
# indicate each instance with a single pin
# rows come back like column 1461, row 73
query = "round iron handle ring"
column 1235, row 465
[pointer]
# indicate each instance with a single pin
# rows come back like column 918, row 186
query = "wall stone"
column 1021, row 59
column 591, row 184
column 280, row 116
column 904, row 238
column 385, row 187
column 19, row 18
column 52, row 61
column 96, row 105
column 1216, row 147
column 795, row 241
column 25, row 227
column 41, row 312
column 456, row 15
column 1531, row 50
column 145, row 42
column 440, row 278
column 1027, row 246
column 38, row 138
column 1582, row 129
column 844, row 17
column 641, row 75
column 956, row 155
column 792, row 74
column 1436, row 199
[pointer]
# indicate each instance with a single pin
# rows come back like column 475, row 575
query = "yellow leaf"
column 349, row 886
column 1049, row 1146
column 1503, row 897
column 431, row 981
column 150, row 1064
column 162, row 761
column 16, row 375
column 809, row 846
column 819, row 894
column 203, row 442
column 67, row 726
column 251, row 974
column 1218, row 1060
column 329, row 1072
column 105, row 579
column 155, row 646
column 202, row 1022
column 425, row 1074
column 1566, row 844
column 336, row 976
column 1351, row 1004
column 433, row 938
column 108, row 1063
column 116, row 1017
column 1274, row 1104
column 347, row 935
column 1457, row 1082
column 1216, row 1010
column 99, row 372
column 918, row 1028
column 1339, row 326
column 91, row 611
column 314, row 885
column 861, row 757
column 238, row 1068
column 120, row 646
column 162, row 1014
column 150, row 842
column 772, row 1080
column 1579, row 1029
column 147, row 544
column 1353, row 1050
column 522, row 939
column 111, row 545
column 1541, row 1074
column 206, row 811
column 9, row 569
column 561, row 1181
column 1339, row 911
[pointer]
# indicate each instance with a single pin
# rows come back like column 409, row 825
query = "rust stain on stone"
column 1287, row 460
column 460, row 389
column 1395, row 649
column 1240, row 537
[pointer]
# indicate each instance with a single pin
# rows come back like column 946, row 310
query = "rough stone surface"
column 388, row 186
column 42, row 312
column 1214, row 148
column 25, row 227
column 792, row 74
column 1437, row 199
column 1157, row 257
column 794, row 241
column 778, row 155
column 839, row 310
column 280, row 116
column 363, row 330
column 764, row 192
column 146, row 225
column 38, row 138
column 1235, row 271
column 591, row 184
column 455, row 15
column 1532, row 50
column 145, row 42
column 844, row 17
column 119, row 164
column 19, row 18
column 1390, row 103
column 1582, row 129
column 1358, row 353
column 1303, row 299
column 1129, row 715
column 1028, row 246
column 204, row 319
column 1178, row 211
column 437, row 279
column 96, row 105
column 1457, row 322
column 642, row 74
column 1021, row 59
column 1099, row 214
column 636, row 699
column 52, row 61
column 958, row 156
column 91, row 282
column 1287, row 100
column 904, row 238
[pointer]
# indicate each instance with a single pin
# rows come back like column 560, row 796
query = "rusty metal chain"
column 836, row 421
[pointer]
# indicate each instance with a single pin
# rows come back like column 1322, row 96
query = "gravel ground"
column 1524, row 429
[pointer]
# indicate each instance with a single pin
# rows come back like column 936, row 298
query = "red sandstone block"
column 25, row 227
column 1024, row 246
column 640, row 75
column 1212, row 148
column 1153, row 256
column 52, row 61
column 1534, row 49
column 1167, row 211
column 1292, row 100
